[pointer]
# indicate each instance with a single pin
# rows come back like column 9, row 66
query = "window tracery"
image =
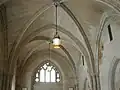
column 47, row 73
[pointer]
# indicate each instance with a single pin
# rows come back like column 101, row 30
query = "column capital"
column 58, row 2
column 94, row 74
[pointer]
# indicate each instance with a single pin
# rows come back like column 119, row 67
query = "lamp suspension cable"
column 56, row 19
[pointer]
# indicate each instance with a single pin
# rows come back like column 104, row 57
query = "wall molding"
column 112, row 73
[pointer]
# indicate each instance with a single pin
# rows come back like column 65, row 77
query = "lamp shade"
column 56, row 42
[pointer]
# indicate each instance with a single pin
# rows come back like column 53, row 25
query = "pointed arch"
column 47, row 71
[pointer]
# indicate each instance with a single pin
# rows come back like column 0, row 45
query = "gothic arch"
column 30, row 54
column 51, row 63
column 18, row 40
column 42, row 59
column 34, row 34
column 112, row 71
column 114, row 4
column 105, row 20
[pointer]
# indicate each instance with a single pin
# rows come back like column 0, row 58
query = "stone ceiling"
column 26, row 27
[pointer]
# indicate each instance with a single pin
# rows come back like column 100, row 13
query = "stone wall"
column 110, row 60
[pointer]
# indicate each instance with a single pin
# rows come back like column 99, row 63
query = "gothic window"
column 83, row 61
column 47, row 73
column 110, row 33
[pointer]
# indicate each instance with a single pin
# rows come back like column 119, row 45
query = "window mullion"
column 55, row 76
column 39, row 75
column 50, row 76
column 45, row 76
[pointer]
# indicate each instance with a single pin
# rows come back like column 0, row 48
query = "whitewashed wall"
column 111, row 54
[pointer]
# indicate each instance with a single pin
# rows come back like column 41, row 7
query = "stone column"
column 5, row 76
column 65, row 83
column 94, row 82
column 5, row 80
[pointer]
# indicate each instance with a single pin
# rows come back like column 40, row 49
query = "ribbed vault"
column 31, row 26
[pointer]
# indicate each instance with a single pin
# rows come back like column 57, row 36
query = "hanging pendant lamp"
column 56, row 40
